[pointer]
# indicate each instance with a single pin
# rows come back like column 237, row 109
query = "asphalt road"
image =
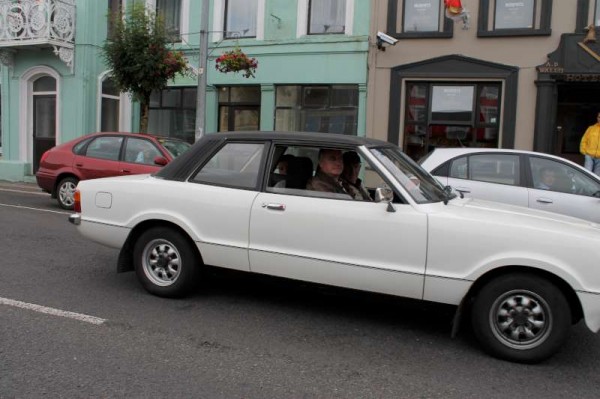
column 239, row 336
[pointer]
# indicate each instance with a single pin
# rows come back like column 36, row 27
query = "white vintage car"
column 523, row 276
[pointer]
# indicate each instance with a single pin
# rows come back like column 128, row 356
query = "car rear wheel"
column 66, row 191
column 521, row 317
column 166, row 263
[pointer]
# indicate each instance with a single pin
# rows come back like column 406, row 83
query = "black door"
column 44, row 126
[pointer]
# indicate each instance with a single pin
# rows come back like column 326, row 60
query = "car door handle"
column 462, row 189
column 125, row 171
column 79, row 165
column 275, row 207
column 545, row 200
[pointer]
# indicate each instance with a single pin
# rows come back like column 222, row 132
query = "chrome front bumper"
column 75, row 218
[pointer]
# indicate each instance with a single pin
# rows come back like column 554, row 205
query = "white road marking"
column 51, row 311
column 23, row 191
column 35, row 209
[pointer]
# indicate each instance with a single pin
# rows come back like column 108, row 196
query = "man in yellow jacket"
column 590, row 147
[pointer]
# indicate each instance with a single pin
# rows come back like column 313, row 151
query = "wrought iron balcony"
column 37, row 23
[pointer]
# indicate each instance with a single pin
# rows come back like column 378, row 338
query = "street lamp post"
column 202, row 60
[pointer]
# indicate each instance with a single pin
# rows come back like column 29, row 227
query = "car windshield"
column 175, row 147
column 421, row 186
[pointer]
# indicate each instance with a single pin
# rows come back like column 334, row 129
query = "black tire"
column 166, row 263
column 64, row 192
column 521, row 317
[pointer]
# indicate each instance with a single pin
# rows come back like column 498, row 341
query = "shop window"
column 450, row 115
column 172, row 113
column 418, row 19
column 239, row 108
column 240, row 18
column 109, row 107
column 318, row 108
column 514, row 18
column 326, row 16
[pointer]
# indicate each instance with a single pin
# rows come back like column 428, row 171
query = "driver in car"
column 327, row 178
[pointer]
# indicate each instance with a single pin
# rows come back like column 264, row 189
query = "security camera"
column 383, row 38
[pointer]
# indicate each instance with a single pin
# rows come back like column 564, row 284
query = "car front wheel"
column 65, row 192
column 521, row 317
column 166, row 263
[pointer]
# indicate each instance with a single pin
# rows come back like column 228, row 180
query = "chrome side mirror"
column 383, row 194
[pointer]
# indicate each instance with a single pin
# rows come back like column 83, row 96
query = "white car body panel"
column 512, row 195
column 216, row 218
column 411, row 252
column 580, row 206
column 355, row 239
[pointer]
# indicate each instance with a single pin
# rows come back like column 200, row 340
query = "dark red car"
column 102, row 155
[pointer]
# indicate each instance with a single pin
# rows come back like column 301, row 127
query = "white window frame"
column 219, row 20
column 124, row 106
column 26, row 109
column 184, row 29
column 302, row 26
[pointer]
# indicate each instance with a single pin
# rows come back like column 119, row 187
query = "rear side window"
column 106, row 147
column 79, row 148
column 234, row 165
column 495, row 168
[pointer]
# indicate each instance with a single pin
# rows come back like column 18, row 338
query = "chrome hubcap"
column 521, row 319
column 66, row 193
column 161, row 262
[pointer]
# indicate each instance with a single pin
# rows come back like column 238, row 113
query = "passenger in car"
column 327, row 178
column 283, row 163
column 547, row 178
column 350, row 180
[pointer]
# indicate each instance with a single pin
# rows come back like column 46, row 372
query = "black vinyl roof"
column 181, row 166
column 317, row 138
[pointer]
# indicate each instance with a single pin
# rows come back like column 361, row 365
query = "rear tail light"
column 77, row 201
column 44, row 156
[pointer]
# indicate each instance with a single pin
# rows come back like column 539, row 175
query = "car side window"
column 79, row 148
column 458, row 168
column 495, row 168
column 556, row 176
column 106, row 147
column 141, row 151
column 323, row 172
column 234, row 165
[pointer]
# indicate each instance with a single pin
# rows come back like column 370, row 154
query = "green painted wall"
column 283, row 59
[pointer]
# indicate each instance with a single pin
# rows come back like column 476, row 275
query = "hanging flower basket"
column 236, row 61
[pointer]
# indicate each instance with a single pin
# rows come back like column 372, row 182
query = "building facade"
column 311, row 75
column 503, row 73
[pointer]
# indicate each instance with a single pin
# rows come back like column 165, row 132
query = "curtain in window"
column 327, row 16
column 170, row 10
column 240, row 20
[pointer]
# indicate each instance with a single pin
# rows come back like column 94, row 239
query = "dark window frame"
column 446, row 32
column 181, row 108
column 236, row 105
column 301, row 103
column 544, row 28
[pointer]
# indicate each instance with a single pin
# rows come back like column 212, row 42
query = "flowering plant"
column 174, row 62
column 235, row 61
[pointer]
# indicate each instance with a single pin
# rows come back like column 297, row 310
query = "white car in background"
column 523, row 178
column 522, row 276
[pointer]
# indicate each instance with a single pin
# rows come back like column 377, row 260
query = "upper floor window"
column 170, row 12
column 114, row 9
column 418, row 19
column 322, row 17
column 326, row 16
column 597, row 13
column 514, row 18
column 240, row 18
